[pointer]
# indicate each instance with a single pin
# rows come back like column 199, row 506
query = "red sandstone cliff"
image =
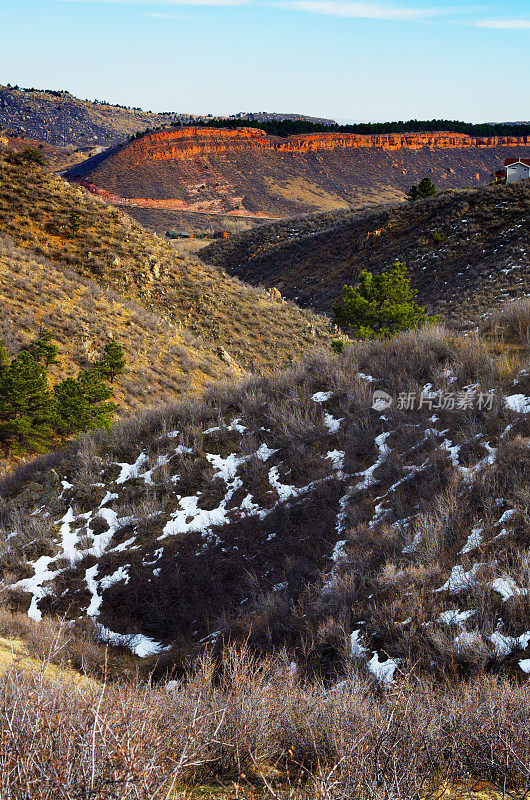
column 186, row 143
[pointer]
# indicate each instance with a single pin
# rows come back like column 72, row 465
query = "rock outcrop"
column 186, row 143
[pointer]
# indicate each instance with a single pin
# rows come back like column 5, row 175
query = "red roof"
column 509, row 161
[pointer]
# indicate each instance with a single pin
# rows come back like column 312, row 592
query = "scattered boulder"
column 275, row 295
column 226, row 358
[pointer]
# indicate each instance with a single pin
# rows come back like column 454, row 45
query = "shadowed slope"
column 465, row 250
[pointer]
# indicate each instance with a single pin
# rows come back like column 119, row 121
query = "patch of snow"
column 263, row 452
column 102, row 540
column 139, row 644
column 507, row 515
column 338, row 550
column 236, row 425
column 226, row 467
column 330, row 422
column 118, row 575
column 519, row 403
column 383, row 671
column 248, row 505
column 34, row 585
column 455, row 617
column 507, row 588
column 459, row 579
column 284, row 490
column 474, row 540
column 69, row 538
column 368, row 473
column 96, row 600
column 503, row 645
column 126, row 545
column 201, row 520
column 337, row 458
column 321, row 397
column 356, row 645
column 453, row 451
column 108, row 497
column 525, row 665
column 131, row 470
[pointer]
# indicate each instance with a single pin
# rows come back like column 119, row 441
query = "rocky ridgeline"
column 189, row 142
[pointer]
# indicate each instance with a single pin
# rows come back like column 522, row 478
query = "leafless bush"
column 245, row 720
column 511, row 322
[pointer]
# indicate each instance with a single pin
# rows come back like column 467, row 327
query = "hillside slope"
column 244, row 171
column 296, row 511
column 465, row 250
column 161, row 360
column 61, row 119
column 107, row 247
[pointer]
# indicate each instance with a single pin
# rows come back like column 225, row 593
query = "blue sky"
column 334, row 58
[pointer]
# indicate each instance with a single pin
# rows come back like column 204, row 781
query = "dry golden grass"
column 300, row 190
column 14, row 654
column 161, row 360
column 35, row 209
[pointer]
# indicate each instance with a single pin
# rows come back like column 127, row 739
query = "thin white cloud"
column 338, row 8
column 504, row 24
column 161, row 15
column 173, row 3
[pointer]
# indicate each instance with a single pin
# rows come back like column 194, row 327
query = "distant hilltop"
column 266, row 116
column 59, row 118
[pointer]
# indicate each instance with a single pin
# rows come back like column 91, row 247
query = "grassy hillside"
column 61, row 119
column 293, row 512
column 162, row 360
column 112, row 250
column 465, row 251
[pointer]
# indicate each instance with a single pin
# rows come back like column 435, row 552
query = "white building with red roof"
column 517, row 169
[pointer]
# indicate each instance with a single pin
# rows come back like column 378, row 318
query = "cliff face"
column 190, row 142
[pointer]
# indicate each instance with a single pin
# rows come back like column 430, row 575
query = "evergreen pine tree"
column 27, row 406
column 425, row 188
column 43, row 349
column 82, row 404
column 113, row 362
column 381, row 305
